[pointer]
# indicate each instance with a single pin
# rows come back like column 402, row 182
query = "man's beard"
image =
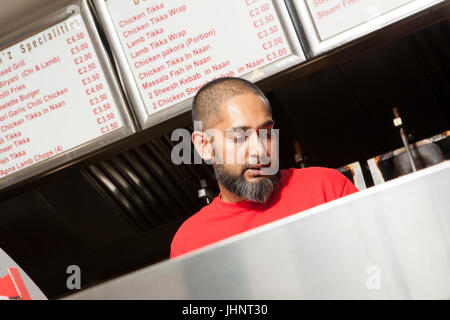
column 259, row 191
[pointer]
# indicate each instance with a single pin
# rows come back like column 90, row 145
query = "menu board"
column 55, row 96
column 170, row 49
column 330, row 23
column 332, row 17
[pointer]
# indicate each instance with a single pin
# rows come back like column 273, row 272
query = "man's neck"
column 228, row 196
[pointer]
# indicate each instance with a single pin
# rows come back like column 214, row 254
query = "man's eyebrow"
column 268, row 123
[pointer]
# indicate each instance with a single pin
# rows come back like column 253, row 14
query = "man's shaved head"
column 206, row 106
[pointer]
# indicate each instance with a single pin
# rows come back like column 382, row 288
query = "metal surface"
column 400, row 229
column 354, row 172
column 408, row 149
column 425, row 153
column 15, row 14
column 130, row 85
column 128, row 128
column 33, row 290
column 147, row 188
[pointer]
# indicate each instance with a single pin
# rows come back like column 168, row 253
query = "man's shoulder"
column 328, row 181
column 185, row 234
column 196, row 219
column 320, row 173
column 319, row 179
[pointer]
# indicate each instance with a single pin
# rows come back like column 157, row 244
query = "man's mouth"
column 257, row 170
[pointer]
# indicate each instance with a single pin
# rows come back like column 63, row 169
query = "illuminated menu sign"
column 173, row 48
column 331, row 23
column 54, row 96
column 332, row 17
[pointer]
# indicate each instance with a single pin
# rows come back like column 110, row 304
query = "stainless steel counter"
column 388, row 242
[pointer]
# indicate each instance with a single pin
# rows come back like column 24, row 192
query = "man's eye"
column 266, row 134
column 239, row 139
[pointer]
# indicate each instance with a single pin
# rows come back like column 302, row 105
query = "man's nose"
column 257, row 148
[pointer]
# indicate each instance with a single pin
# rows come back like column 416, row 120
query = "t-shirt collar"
column 235, row 207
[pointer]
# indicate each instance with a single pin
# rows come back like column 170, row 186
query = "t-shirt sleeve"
column 348, row 188
column 182, row 242
column 190, row 234
column 176, row 249
column 335, row 185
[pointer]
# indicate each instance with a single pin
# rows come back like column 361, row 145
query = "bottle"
column 204, row 193
column 300, row 160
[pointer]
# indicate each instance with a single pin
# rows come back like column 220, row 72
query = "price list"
column 175, row 47
column 53, row 96
column 332, row 17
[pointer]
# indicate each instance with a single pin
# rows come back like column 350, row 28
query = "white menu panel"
column 330, row 23
column 172, row 48
column 54, row 97
column 332, row 17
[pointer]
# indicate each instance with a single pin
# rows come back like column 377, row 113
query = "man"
column 238, row 139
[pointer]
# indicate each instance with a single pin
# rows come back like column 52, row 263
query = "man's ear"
column 203, row 145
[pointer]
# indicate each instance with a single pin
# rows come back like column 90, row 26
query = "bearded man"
column 239, row 140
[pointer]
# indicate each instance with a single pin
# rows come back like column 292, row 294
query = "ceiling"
column 14, row 14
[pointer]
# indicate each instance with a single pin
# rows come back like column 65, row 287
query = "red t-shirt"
column 299, row 189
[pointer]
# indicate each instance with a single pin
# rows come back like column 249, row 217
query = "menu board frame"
column 129, row 128
column 319, row 46
column 125, row 73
